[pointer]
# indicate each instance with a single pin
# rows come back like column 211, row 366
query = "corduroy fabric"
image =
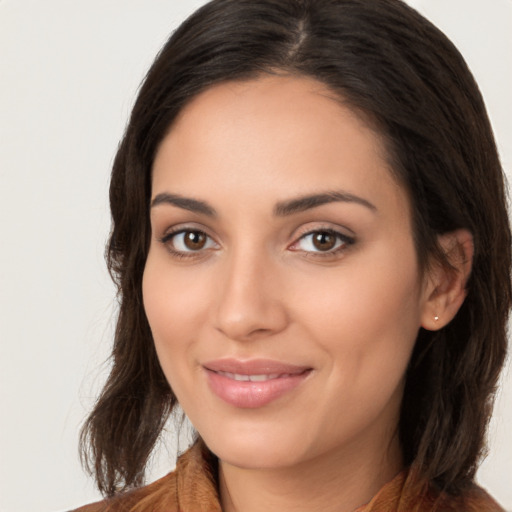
column 192, row 487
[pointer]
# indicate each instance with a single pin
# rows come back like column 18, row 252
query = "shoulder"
column 191, row 487
column 160, row 495
column 474, row 499
column 410, row 492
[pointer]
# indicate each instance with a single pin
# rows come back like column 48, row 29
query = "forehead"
column 276, row 134
column 279, row 102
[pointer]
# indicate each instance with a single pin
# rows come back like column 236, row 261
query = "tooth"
column 259, row 378
column 252, row 378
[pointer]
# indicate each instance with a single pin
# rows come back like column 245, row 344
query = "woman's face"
column 282, row 286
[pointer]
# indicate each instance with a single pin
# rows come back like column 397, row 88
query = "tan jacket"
column 192, row 488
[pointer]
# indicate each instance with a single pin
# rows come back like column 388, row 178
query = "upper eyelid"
column 178, row 229
column 171, row 234
column 296, row 235
column 325, row 230
column 347, row 239
column 182, row 227
column 303, row 230
column 323, row 226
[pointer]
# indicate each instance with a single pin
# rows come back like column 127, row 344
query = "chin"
column 246, row 457
column 256, row 450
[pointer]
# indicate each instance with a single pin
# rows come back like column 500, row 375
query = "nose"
column 251, row 299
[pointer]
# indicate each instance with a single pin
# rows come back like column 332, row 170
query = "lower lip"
column 250, row 395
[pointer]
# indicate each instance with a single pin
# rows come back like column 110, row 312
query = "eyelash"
column 346, row 241
column 181, row 255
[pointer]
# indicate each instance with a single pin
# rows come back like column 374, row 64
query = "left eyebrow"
column 281, row 209
column 303, row 203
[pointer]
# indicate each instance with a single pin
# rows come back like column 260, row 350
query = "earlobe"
column 445, row 289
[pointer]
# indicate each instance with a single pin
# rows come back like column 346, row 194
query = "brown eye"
column 188, row 241
column 194, row 240
column 324, row 240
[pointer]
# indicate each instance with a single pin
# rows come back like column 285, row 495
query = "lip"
column 253, row 383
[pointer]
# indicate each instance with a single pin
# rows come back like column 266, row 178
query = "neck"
column 337, row 481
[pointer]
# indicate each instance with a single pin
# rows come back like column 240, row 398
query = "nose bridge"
column 249, row 300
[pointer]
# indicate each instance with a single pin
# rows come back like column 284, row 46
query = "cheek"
column 176, row 309
column 366, row 315
column 172, row 296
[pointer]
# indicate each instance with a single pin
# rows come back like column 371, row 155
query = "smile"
column 253, row 378
column 253, row 384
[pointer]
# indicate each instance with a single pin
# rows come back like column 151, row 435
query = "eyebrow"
column 307, row 202
column 187, row 203
column 282, row 209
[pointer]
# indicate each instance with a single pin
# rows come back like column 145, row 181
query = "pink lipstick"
column 254, row 383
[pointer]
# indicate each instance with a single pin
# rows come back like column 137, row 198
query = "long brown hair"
column 387, row 62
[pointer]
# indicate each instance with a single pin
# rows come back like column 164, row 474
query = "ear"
column 445, row 288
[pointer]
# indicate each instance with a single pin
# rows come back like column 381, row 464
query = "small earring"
column 436, row 318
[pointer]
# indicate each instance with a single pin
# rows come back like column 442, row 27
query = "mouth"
column 254, row 378
column 254, row 383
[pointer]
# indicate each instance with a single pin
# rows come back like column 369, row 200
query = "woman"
column 312, row 250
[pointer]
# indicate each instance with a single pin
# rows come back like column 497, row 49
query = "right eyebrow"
column 187, row 203
column 282, row 209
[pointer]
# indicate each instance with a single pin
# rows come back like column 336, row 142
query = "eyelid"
column 347, row 240
column 172, row 235
column 307, row 230
column 174, row 231
column 183, row 227
column 315, row 227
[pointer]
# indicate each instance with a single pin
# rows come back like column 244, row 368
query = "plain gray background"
column 69, row 73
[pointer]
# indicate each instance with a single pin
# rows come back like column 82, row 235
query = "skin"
column 259, row 288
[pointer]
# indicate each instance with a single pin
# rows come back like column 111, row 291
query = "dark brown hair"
column 387, row 62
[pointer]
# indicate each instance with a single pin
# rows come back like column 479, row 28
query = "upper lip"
column 254, row 367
